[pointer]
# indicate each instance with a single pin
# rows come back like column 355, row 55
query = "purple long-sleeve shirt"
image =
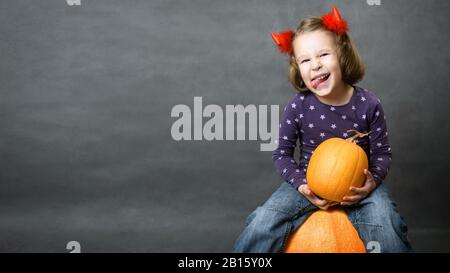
column 310, row 121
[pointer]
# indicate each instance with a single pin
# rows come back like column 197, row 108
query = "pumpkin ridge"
column 341, row 185
column 334, row 225
column 342, row 178
column 339, row 178
column 336, row 162
column 364, row 163
column 356, row 166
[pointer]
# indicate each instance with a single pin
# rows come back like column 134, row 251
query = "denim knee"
column 379, row 209
column 262, row 218
column 288, row 200
column 377, row 216
column 266, row 230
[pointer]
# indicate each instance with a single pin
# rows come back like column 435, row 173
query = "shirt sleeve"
column 283, row 155
column 380, row 151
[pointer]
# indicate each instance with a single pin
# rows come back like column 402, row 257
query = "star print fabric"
column 307, row 122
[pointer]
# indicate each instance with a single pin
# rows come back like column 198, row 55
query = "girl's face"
column 318, row 62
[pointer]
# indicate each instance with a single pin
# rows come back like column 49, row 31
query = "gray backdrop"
column 86, row 151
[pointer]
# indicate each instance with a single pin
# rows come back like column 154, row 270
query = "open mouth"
column 319, row 79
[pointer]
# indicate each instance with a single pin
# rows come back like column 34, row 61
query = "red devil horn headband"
column 332, row 21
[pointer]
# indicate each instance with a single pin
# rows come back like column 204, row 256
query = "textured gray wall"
column 86, row 93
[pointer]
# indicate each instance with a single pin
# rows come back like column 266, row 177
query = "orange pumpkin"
column 335, row 165
column 326, row 231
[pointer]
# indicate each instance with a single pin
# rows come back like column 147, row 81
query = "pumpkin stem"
column 357, row 135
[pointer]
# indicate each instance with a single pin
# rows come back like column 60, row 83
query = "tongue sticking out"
column 316, row 82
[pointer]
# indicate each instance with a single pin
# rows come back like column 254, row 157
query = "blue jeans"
column 375, row 218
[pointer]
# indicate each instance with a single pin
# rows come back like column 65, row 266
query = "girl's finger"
column 320, row 202
column 309, row 197
column 361, row 190
column 368, row 174
column 347, row 203
column 307, row 191
column 353, row 198
column 302, row 189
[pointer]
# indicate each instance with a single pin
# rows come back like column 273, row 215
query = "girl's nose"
column 316, row 65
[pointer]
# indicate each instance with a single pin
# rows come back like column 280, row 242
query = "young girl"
column 324, row 66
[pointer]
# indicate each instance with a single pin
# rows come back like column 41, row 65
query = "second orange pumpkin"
column 326, row 231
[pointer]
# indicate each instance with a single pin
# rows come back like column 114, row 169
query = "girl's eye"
column 303, row 61
column 324, row 54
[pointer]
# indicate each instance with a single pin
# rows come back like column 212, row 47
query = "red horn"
column 336, row 14
column 276, row 38
column 334, row 22
column 283, row 41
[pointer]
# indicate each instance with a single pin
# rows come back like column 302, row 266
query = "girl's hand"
column 362, row 192
column 314, row 199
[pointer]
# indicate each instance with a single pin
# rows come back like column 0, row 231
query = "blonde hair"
column 352, row 66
